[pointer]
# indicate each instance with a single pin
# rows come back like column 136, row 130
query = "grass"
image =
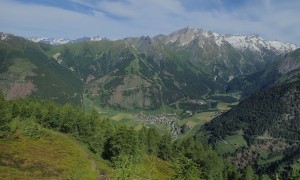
column 133, row 68
column 233, row 142
column 102, row 166
column 139, row 127
column 236, row 140
column 192, row 131
column 223, row 148
column 52, row 156
column 155, row 168
column 200, row 118
column 121, row 116
column 58, row 156
column 223, row 106
column 204, row 116
column 125, row 117
column 264, row 159
column 191, row 123
column 22, row 66
column 124, row 121
column 264, row 154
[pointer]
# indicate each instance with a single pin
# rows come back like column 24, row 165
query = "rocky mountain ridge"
column 185, row 36
column 148, row 73
column 61, row 41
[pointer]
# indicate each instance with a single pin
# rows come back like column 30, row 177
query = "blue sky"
column 115, row 19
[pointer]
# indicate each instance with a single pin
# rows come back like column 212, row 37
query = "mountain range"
column 254, row 42
column 187, row 35
column 186, row 72
column 144, row 72
column 60, row 41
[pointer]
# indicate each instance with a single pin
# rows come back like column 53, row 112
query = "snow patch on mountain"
column 282, row 46
column 256, row 43
column 52, row 41
column 96, row 38
column 60, row 41
column 186, row 36
column 242, row 42
column 4, row 36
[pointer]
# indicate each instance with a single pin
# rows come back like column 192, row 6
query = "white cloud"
column 272, row 19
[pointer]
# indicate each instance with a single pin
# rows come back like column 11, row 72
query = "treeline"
column 226, row 99
column 123, row 146
column 276, row 110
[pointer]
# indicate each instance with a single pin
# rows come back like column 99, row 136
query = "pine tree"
column 186, row 169
column 5, row 117
column 152, row 141
column 249, row 173
column 165, row 147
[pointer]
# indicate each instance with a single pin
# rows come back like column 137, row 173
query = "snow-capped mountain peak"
column 4, row 36
column 60, row 41
column 52, row 41
column 184, row 36
column 242, row 42
column 256, row 43
column 96, row 38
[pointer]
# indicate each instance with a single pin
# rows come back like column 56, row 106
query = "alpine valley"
column 238, row 93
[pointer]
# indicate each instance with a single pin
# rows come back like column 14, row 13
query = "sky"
column 117, row 19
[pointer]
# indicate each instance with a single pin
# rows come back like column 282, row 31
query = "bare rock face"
column 289, row 64
column 183, row 36
column 20, row 90
column 255, row 43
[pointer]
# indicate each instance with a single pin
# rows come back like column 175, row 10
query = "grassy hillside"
column 33, row 152
column 52, row 155
column 28, row 149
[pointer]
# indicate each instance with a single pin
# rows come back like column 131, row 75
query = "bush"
column 26, row 126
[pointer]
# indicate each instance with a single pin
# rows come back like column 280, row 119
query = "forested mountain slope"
column 26, row 71
column 284, row 68
column 274, row 110
column 134, row 73
column 269, row 121
column 147, row 73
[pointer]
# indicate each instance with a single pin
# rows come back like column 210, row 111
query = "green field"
column 121, row 116
column 200, row 117
column 223, row 106
column 126, row 117
column 234, row 142
column 265, row 160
